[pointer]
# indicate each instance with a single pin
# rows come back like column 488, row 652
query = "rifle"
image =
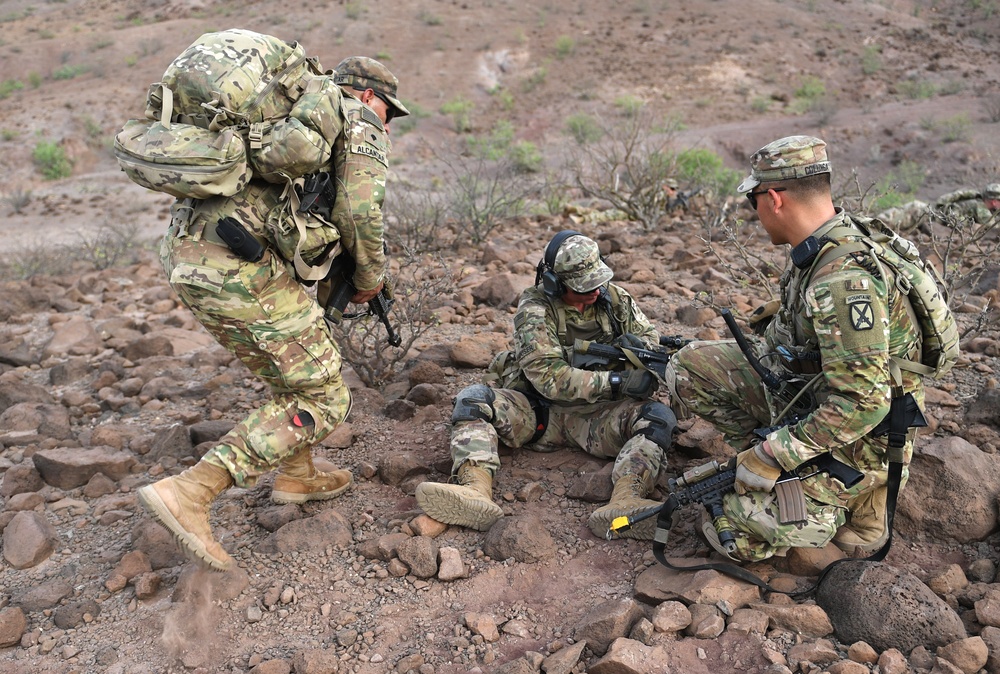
column 337, row 289
column 708, row 483
column 588, row 355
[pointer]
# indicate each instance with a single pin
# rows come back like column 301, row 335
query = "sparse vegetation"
column 630, row 166
column 18, row 200
column 917, row 89
column 7, row 87
column 68, row 72
column 955, row 129
column 419, row 283
column 565, row 46
column 429, row 18
column 460, row 111
column 871, row 59
column 51, row 160
column 809, row 94
column 583, row 128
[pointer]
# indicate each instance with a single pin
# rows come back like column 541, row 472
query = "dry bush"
column 419, row 283
column 629, row 165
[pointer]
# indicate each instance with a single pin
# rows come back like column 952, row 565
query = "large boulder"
column 952, row 491
column 886, row 607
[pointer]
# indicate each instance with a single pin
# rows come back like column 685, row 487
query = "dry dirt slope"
column 729, row 73
column 902, row 81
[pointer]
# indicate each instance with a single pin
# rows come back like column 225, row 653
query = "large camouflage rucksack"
column 223, row 113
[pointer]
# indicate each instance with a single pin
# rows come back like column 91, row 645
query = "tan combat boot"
column 866, row 529
column 299, row 481
column 468, row 503
column 627, row 499
column 180, row 503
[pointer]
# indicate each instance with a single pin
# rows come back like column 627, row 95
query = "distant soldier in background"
column 542, row 402
column 967, row 204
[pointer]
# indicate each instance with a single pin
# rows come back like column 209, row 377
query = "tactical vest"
column 506, row 372
column 909, row 279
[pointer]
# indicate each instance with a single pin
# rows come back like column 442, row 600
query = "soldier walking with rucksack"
column 858, row 323
column 239, row 258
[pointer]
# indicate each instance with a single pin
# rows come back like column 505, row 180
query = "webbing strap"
column 303, row 269
column 166, row 105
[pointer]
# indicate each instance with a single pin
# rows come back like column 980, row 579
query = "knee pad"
column 474, row 402
column 662, row 424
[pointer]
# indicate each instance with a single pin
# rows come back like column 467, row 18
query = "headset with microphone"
column 545, row 273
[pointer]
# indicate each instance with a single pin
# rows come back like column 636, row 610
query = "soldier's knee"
column 660, row 424
column 474, row 402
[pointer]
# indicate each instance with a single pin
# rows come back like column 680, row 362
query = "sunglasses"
column 390, row 109
column 752, row 196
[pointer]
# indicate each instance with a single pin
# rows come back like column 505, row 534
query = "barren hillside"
column 108, row 379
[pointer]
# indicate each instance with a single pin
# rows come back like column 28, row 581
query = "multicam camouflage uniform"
column 967, row 204
column 260, row 311
column 582, row 411
column 854, row 320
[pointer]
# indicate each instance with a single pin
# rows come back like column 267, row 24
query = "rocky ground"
column 107, row 384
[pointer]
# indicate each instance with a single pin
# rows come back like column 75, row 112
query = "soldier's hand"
column 363, row 296
column 628, row 341
column 638, row 384
column 755, row 470
column 761, row 316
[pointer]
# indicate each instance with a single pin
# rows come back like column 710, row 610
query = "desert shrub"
column 494, row 145
column 460, row 111
column 7, row 87
column 629, row 105
column 704, row 170
column 18, row 199
column 583, row 128
column 418, row 219
column 565, row 46
column 401, row 125
column 917, row 89
column 535, row 79
column 897, row 187
column 429, row 18
column 526, row 157
column 418, row 285
column 51, row 160
column 110, row 246
column 68, row 72
column 629, row 167
column 956, row 128
column 808, row 94
column 760, row 104
column 871, row 59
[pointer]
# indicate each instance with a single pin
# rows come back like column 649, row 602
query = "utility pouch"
column 239, row 240
column 791, row 500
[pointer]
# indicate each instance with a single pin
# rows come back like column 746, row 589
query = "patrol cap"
column 578, row 264
column 361, row 72
column 992, row 191
column 786, row 159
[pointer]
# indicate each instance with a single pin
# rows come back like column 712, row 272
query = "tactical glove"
column 762, row 315
column 638, row 384
column 755, row 470
column 629, row 341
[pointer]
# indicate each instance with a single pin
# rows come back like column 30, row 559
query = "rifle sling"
column 665, row 519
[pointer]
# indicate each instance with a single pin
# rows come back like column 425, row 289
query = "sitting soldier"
column 545, row 402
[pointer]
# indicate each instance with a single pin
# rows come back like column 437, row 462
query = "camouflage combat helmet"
column 361, row 72
column 579, row 266
column 786, row 159
column 992, row 191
